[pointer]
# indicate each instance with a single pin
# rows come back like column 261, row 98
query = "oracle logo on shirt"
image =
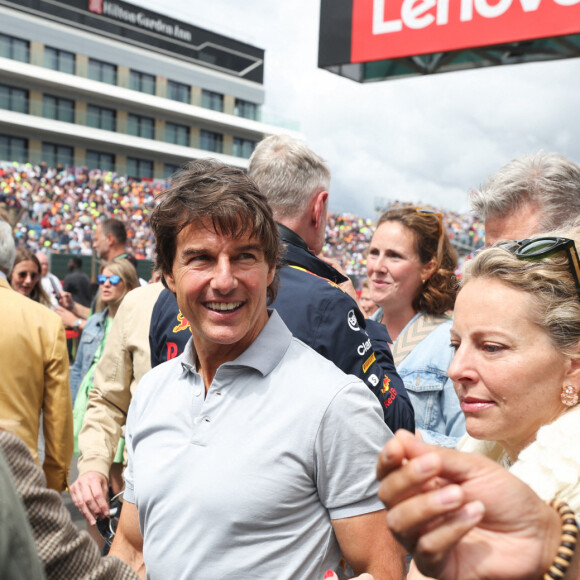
column 386, row 29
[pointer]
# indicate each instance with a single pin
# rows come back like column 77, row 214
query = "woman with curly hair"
column 411, row 269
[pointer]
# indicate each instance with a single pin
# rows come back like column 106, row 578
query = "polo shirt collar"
column 263, row 354
column 267, row 350
column 188, row 357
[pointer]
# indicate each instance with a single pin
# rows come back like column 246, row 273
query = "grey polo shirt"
column 244, row 482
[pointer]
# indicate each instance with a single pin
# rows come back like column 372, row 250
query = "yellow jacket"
column 34, row 377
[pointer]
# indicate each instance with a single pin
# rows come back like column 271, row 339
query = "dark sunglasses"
column 114, row 279
column 540, row 248
column 431, row 213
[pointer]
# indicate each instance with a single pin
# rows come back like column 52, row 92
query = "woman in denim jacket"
column 411, row 269
column 115, row 280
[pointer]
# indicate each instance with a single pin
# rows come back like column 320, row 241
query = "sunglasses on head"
column 540, row 248
column 431, row 213
column 114, row 279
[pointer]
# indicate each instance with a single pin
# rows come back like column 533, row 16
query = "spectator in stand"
column 411, row 267
column 25, row 277
column 367, row 306
column 533, row 193
column 50, row 283
column 36, row 376
column 77, row 282
column 110, row 240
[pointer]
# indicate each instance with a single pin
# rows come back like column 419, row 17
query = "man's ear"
column 271, row 274
column 170, row 281
column 319, row 208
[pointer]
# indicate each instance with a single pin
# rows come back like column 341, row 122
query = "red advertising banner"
column 387, row 29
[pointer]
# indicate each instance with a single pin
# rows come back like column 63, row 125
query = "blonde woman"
column 115, row 280
column 516, row 370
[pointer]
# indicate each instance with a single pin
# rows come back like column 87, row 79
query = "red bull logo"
column 386, row 385
column 183, row 323
column 392, row 396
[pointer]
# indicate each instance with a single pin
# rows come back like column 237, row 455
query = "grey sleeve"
column 346, row 449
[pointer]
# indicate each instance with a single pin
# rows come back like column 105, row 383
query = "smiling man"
column 244, row 458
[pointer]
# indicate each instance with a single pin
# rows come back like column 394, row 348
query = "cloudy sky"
column 423, row 139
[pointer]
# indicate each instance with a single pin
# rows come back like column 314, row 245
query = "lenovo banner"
column 389, row 29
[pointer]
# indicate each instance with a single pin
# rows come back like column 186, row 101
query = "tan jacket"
column 125, row 359
column 34, row 377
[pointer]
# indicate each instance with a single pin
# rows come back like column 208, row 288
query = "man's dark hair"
column 224, row 195
column 75, row 263
column 115, row 227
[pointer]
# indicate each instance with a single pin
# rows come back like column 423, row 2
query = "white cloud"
column 427, row 139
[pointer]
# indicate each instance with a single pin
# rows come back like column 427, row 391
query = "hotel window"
column 13, row 99
column 246, row 109
column 14, row 48
column 178, row 134
column 243, row 147
column 99, row 160
column 60, row 60
column 211, row 141
column 13, row 149
column 58, row 108
column 211, row 100
column 178, row 92
column 142, row 82
column 170, row 170
column 139, row 168
column 101, row 118
column 102, row 71
column 141, row 126
column 55, row 154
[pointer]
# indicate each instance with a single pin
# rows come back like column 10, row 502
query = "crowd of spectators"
column 57, row 209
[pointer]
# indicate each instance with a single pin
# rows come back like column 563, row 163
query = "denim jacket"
column 92, row 335
column 424, row 372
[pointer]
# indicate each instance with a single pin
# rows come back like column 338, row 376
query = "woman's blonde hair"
column 126, row 270
column 549, row 282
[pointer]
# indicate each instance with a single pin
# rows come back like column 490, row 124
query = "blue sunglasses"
column 114, row 279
